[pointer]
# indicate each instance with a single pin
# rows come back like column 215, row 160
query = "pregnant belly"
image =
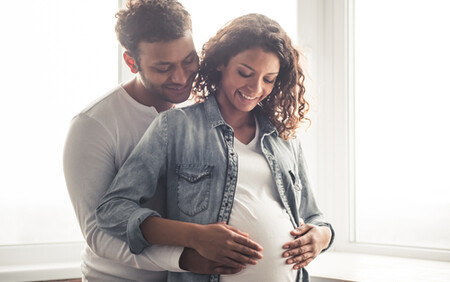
column 269, row 225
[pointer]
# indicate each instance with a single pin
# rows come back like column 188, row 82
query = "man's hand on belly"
column 192, row 261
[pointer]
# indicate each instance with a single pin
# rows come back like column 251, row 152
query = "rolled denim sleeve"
column 309, row 209
column 119, row 212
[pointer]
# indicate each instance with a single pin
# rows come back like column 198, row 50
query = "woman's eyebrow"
column 249, row 67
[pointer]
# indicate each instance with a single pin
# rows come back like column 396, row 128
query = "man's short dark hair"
column 151, row 21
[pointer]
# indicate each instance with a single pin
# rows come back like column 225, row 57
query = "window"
column 401, row 97
column 382, row 143
column 209, row 16
column 57, row 57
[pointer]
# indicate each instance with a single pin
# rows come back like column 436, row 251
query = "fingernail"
column 286, row 247
column 289, row 261
column 285, row 254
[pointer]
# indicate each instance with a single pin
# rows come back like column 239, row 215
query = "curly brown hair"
column 286, row 106
column 151, row 21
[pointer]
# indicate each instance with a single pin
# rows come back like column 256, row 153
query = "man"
column 157, row 38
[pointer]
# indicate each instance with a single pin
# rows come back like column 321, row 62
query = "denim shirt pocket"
column 194, row 185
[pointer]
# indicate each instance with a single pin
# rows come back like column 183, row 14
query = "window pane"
column 402, row 120
column 57, row 56
column 209, row 15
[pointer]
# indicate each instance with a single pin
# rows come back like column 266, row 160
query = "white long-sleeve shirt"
column 99, row 141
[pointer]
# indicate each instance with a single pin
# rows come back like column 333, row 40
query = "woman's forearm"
column 162, row 231
column 217, row 242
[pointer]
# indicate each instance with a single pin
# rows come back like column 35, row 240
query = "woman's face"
column 248, row 78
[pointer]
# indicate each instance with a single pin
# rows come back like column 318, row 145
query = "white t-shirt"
column 99, row 140
column 257, row 210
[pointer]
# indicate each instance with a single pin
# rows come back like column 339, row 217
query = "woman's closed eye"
column 245, row 75
column 270, row 81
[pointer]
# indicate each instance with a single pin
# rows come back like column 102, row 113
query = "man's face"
column 168, row 69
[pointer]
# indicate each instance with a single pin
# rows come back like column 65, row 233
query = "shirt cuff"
column 135, row 238
column 168, row 257
column 332, row 234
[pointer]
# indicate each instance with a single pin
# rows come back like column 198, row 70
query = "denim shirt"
column 190, row 151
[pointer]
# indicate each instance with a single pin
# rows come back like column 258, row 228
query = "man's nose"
column 179, row 76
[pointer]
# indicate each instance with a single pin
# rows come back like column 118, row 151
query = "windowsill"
column 342, row 266
column 327, row 267
column 40, row 272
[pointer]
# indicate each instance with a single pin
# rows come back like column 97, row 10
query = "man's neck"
column 138, row 92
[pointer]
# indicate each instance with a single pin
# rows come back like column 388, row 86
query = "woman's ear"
column 220, row 68
column 130, row 61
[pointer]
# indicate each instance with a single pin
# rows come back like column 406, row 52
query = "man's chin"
column 178, row 98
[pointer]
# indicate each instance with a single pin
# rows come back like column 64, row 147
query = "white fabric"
column 257, row 210
column 99, row 141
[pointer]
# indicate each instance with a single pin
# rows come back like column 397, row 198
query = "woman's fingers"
column 302, row 263
column 235, row 229
column 227, row 245
column 246, row 244
column 298, row 251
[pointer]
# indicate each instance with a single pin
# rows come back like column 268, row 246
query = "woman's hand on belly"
column 309, row 241
column 226, row 245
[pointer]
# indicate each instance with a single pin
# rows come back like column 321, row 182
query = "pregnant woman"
column 232, row 157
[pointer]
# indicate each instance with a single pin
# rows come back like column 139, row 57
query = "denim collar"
column 214, row 117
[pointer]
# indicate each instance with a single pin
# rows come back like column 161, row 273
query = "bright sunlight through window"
column 402, row 119
column 57, row 57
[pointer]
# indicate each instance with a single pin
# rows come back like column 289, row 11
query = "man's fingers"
column 226, row 270
column 236, row 256
column 227, row 262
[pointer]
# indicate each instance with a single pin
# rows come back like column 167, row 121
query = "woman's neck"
column 243, row 123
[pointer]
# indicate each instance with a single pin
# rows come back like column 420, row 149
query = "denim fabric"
column 190, row 150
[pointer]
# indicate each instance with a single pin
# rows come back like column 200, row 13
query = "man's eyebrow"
column 162, row 63
column 191, row 54
column 249, row 67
